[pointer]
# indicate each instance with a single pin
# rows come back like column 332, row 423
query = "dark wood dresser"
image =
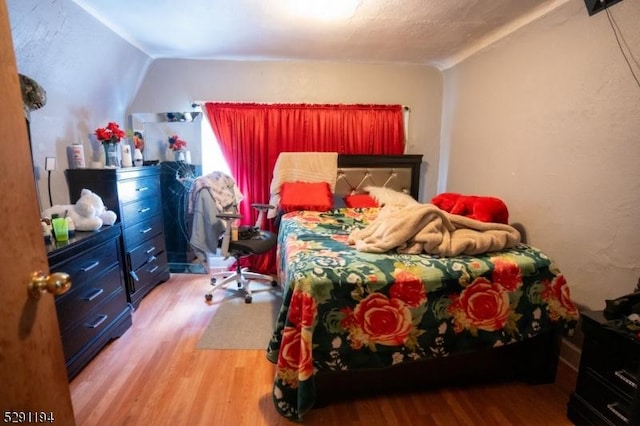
column 95, row 309
column 133, row 193
column 607, row 387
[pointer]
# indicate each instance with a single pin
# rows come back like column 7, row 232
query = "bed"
column 353, row 322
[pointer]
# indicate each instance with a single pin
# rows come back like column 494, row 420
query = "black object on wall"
column 595, row 6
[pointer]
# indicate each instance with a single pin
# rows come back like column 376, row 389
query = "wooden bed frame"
column 533, row 361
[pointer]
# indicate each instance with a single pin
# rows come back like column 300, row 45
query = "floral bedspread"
column 344, row 309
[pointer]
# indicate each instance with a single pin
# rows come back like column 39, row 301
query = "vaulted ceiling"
column 435, row 32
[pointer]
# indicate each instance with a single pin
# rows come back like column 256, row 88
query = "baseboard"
column 570, row 354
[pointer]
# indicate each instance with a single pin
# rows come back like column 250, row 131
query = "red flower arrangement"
column 176, row 144
column 110, row 134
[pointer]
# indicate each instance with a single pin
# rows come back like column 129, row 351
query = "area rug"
column 240, row 325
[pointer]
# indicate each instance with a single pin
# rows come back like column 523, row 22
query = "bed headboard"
column 398, row 172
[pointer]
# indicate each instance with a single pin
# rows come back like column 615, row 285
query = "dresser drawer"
column 145, row 274
column 75, row 304
column 145, row 251
column 143, row 209
column 93, row 324
column 138, row 233
column 84, row 268
column 135, row 189
column 610, row 405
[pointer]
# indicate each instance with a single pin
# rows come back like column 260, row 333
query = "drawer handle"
column 151, row 250
column 613, row 408
column 134, row 275
column 90, row 267
column 146, row 209
column 144, row 231
column 142, row 188
column 155, row 268
column 100, row 320
column 626, row 377
column 96, row 293
column 151, row 259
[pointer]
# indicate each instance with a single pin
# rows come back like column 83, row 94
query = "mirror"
column 176, row 177
column 157, row 127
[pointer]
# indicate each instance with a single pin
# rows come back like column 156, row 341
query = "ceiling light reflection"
column 325, row 10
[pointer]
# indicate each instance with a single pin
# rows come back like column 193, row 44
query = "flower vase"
column 179, row 155
column 110, row 154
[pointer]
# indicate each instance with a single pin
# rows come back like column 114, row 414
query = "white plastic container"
column 137, row 157
column 76, row 156
column 126, row 155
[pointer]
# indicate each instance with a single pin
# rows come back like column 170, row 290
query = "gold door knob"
column 56, row 283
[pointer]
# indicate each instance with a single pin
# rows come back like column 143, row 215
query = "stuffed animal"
column 485, row 209
column 88, row 213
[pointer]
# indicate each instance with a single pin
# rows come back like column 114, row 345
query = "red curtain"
column 252, row 135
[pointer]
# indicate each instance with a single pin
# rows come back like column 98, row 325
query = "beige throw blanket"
column 303, row 167
column 418, row 228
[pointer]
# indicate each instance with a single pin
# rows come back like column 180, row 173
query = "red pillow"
column 360, row 200
column 315, row 196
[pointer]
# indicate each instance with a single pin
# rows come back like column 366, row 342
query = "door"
column 33, row 376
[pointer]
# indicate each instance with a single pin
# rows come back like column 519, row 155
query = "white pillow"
column 388, row 196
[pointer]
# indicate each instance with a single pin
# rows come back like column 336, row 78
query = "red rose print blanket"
column 344, row 309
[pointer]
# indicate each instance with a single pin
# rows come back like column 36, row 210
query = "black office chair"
column 250, row 241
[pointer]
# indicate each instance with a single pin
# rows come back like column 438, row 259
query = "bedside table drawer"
column 611, row 405
column 136, row 234
column 615, row 360
column 72, row 306
column 140, row 210
column 84, row 268
column 135, row 189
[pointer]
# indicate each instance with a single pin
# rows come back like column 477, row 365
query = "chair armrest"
column 228, row 216
column 262, row 209
column 265, row 207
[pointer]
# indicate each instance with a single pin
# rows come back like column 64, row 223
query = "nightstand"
column 606, row 391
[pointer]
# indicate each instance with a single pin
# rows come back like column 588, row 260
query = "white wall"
column 172, row 85
column 88, row 72
column 548, row 119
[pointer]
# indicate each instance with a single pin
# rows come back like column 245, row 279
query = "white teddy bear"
column 88, row 213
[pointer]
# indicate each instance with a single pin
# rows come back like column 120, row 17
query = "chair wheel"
column 213, row 281
column 247, row 299
column 274, row 283
column 208, row 297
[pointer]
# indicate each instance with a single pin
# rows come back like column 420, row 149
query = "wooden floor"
column 153, row 375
